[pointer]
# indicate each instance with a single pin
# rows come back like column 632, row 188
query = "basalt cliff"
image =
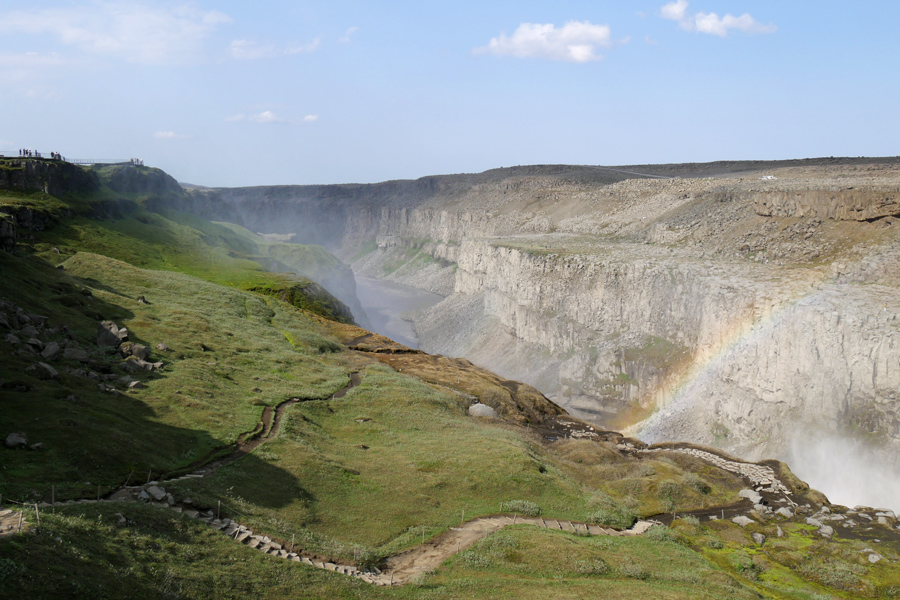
column 749, row 306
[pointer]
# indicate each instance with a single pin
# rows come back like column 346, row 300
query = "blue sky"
column 228, row 93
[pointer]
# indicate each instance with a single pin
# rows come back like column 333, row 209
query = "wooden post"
column 37, row 514
column 516, row 516
column 129, row 479
column 148, row 475
column 20, row 522
column 423, row 534
column 219, row 510
column 463, row 511
column 292, row 542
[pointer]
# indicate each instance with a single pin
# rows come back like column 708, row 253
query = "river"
column 386, row 303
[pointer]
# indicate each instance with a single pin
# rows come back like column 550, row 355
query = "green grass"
column 258, row 352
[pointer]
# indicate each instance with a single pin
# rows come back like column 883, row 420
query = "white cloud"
column 267, row 116
column 134, row 31
column 573, row 42
column 247, row 50
column 345, row 39
column 675, row 11
column 711, row 23
column 303, row 48
column 250, row 50
column 169, row 135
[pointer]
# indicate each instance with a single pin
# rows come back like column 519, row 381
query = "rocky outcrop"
column 53, row 177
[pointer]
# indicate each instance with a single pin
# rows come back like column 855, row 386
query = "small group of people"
column 137, row 162
column 25, row 153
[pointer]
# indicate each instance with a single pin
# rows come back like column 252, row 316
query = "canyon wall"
column 725, row 310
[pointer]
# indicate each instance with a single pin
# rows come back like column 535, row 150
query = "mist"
column 386, row 304
column 846, row 470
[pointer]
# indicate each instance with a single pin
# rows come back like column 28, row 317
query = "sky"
column 233, row 93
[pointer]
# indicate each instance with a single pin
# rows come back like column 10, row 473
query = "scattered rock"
column 135, row 364
column 16, row 440
column 779, row 531
column 72, row 353
column 758, row 538
column 11, row 339
column 156, row 492
column 51, row 351
column 142, row 300
column 35, row 343
column 144, row 496
column 875, row 557
column 29, row 331
column 742, row 520
column 37, row 446
column 44, row 371
column 162, row 347
column 482, row 410
column 135, row 385
column 813, row 522
column 750, row 495
column 4, row 322
column 108, row 335
column 140, row 351
column 826, row 531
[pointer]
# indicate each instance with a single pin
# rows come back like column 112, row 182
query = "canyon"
column 748, row 306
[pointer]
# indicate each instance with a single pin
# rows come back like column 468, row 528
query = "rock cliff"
column 723, row 309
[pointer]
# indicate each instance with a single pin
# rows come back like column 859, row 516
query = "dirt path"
column 430, row 555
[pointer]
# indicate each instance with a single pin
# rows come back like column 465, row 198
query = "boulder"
column 136, row 365
column 162, row 347
column 135, row 385
column 72, row 353
column 37, row 446
column 758, row 538
column 35, row 343
column 144, row 496
column 140, row 351
column 108, row 335
column 785, row 512
column 50, row 351
column 29, row 331
column 16, row 440
column 156, row 492
column 12, row 340
column 43, row 370
column 813, row 522
column 742, row 520
column 482, row 410
column 875, row 557
column 750, row 495
column 4, row 322
column 826, row 531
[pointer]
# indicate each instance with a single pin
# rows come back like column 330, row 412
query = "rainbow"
column 677, row 392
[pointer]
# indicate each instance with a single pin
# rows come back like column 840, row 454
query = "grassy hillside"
column 354, row 477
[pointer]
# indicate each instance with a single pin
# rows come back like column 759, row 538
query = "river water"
column 386, row 303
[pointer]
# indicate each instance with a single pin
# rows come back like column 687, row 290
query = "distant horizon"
column 191, row 184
